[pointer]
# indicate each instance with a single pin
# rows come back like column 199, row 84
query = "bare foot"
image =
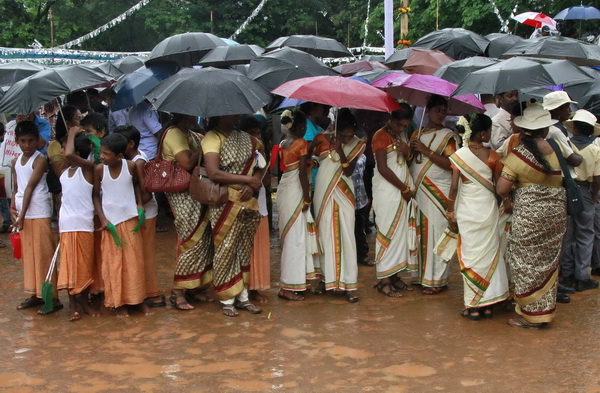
column 88, row 309
column 121, row 312
column 144, row 309
column 74, row 316
column 258, row 297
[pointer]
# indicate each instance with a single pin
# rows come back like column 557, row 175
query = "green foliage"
column 26, row 20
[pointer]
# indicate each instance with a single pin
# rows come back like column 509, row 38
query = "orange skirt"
column 37, row 249
column 123, row 267
column 76, row 261
column 148, row 232
column 260, row 261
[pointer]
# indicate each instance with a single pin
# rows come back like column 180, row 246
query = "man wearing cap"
column 501, row 128
column 559, row 105
column 578, row 243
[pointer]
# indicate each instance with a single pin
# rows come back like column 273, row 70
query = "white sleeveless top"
column 40, row 205
column 118, row 197
column 77, row 207
column 151, row 207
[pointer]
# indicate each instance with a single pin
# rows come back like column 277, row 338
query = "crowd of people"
column 488, row 190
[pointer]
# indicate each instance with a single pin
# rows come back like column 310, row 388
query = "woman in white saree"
column 431, row 173
column 335, row 206
column 395, row 209
column 296, row 225
column 475, row 171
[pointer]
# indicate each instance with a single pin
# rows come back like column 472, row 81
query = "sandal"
column 521, row 323
column 179, row 302
column 401, row 285
column 229, row 310
column 290, row 295
column 488, row 312
column 55, row 307
column 351, row 296
column 434, row 290
column 251, row 308
column 320, row 289
column 391, row 289
column 30, row 302
column 471, row 313
column 151, row 303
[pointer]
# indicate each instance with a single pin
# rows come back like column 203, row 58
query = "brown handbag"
column 165, row 176
column 207, row 191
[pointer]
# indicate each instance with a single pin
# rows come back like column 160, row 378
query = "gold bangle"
column 451, row 199
column 431, row 152
column 345, row 165
column 307, row 203
column 406, row 190
column 449, row 214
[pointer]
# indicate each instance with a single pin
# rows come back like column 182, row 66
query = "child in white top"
column 32, row 210
column 148, row 230
column 76, row 223
column 118, row 208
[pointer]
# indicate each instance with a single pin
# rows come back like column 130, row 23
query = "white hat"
column 555, row 99
column 534, row 118
column 585, row 117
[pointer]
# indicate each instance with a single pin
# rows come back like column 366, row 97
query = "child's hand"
column 18, row 223
column 14, row 214
column 104, row 223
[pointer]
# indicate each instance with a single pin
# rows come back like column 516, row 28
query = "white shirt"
column 40, row 205
column 501, row 129
column 77, row 207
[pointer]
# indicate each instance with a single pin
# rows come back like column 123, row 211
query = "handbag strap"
column 561, row 159
column 161, row 141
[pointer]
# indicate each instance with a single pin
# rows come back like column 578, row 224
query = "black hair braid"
column 531, row 145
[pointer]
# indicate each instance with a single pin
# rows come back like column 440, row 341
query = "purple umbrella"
column 416, row 90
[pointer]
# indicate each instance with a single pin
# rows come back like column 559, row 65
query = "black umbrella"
column 184, row 49
column 208, row 92
column 131, row 88
column 398, row 58
column 379, row 58
column 241, row 68
column 455, row 42
column 500, row 43
column 29, row 94
column 226, row 56
column 373, row 75
column 578, row 52
column 106, row 67
column 11, row 73
column 456, row 71
column 281, row 65
column 315, row 45
column 129, row 64
column 519, row 73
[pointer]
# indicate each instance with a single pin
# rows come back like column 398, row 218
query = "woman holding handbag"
column 231, row 158
column 181, row 146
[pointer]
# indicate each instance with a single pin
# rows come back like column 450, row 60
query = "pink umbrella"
column 535, row 19
column 416, row 90
column 338, row 91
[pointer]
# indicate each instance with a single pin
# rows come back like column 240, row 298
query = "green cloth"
column 95, row 148
column 113, row 231
column 142, row 216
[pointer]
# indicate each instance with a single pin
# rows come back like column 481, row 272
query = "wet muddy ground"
column 413, row 344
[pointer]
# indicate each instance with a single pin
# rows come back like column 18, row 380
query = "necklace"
column 476, row 145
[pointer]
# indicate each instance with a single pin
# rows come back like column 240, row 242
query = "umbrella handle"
column 53, row 263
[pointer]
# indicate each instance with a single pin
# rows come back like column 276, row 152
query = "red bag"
column 15, row 241
column 165, row 176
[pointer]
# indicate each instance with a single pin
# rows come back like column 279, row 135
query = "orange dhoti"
column 76, row 261
column 260, row 260
column 148, row 232
column 123, row 267
column 37, row 249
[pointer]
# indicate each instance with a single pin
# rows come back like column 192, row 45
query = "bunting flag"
column 248, row 20
column 106, row 26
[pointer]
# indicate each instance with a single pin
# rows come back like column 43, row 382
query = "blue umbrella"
column 132, row 88
column 581, row 12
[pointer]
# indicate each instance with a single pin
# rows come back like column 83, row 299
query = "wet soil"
column 412, row 344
